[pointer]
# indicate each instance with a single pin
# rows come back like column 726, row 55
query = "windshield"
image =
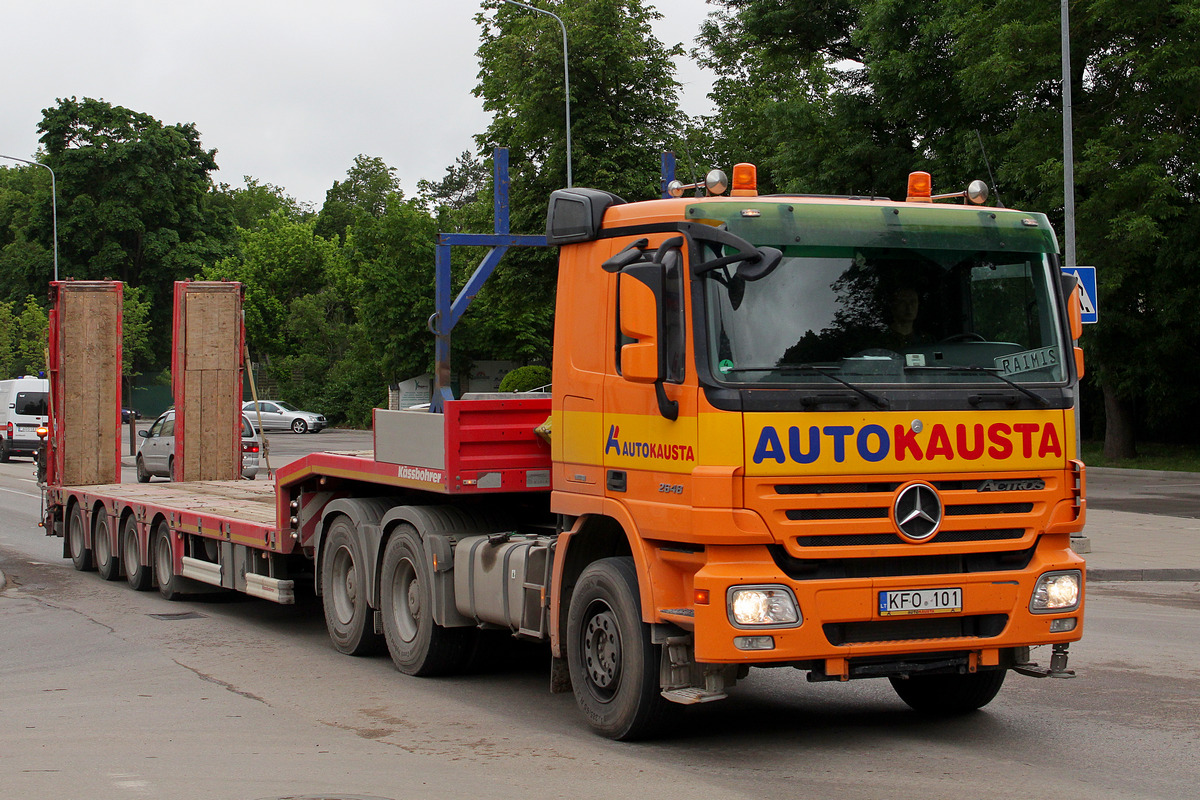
column 285, row 406
column 889, row 315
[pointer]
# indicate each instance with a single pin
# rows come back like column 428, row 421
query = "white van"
column 23, row 408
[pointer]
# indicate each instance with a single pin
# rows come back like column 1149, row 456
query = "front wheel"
column 948, row 695
column 81, row 554
column 299, row 426
column 143, row 475
column 416, row 643
column 614, row 665
column 348, row 615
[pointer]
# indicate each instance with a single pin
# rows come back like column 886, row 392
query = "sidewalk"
column 1141, row 547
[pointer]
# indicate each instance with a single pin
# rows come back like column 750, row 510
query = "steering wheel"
column 969, row 336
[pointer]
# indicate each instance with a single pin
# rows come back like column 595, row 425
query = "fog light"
column 763, row 605
column 1063, row 625
column 1057, row 591
column 754, row 642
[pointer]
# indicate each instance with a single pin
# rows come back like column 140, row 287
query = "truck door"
column 650, row 397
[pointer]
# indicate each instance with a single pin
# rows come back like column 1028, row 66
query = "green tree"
column 30, row 347
column 136, row 199
column 8, row 329
column 846, row 96
column 624, row 113
column 364, row 194
column 26, row 232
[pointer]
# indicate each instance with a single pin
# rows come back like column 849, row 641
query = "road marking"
column 23, row 494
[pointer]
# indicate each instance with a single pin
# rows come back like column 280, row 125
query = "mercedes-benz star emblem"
column 918, row 511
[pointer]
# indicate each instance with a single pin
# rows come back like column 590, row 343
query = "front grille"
column 808, row 569
column 988, row 508
column 878, row 539
column 980, row 626
column 804, row 514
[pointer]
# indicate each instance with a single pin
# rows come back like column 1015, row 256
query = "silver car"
column 279, row 416
column 156, row 453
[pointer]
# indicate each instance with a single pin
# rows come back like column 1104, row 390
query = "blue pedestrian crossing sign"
column 1087, row 292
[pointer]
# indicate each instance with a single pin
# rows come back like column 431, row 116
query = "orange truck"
column 829, row 433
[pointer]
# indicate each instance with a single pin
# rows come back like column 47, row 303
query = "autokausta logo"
column 874, row 443
column 663, row 451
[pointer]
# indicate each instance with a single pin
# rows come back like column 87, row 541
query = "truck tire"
column 163, row 560
column 137, row 574
column 107, row 562
column 348, row 616
column 614, row 666
column 948, row 695
column 81, row 554
column 417, row 644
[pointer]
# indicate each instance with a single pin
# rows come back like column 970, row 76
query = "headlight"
column 1057, row 591
column 772, row 606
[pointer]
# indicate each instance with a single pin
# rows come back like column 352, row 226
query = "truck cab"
column 831, row 433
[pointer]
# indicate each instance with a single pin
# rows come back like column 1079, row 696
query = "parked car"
column 128, row 414
column 279, row 416
column 156, row 453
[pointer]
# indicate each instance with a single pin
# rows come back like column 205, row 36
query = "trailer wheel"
column 163, row 559
column 344, row 592
column 947, row 695
column 81, row 554
column 417, row 644
column 107, row 562
column 137, row 574
column 614, row 666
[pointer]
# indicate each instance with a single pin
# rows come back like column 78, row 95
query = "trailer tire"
column 949, row 695
column 614, row 665
column 137, row 574
column 163, row 560
column 81, row 554
column 348, row 615
column 107, row 562
column 416, row 643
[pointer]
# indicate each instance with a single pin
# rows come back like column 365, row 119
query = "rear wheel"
column 4, row 451
column 81, row 554
column 417, row 644
column 348, row 615
column 143, row 475
column 947, row 695
column 169, row 583
column 107, row 563
column 614, row 666
column 137, row 574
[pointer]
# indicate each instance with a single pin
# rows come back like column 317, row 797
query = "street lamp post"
column 53, row 204
column 1068, row 142
column 566, row 76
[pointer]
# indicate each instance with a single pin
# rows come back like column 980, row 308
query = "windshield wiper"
column 1032, row 395
column 880, row 402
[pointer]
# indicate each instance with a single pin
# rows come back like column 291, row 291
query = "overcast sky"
column 287, row 91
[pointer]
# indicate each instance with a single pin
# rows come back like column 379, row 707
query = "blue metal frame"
column 449, row 309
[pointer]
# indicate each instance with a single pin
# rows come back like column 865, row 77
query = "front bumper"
column 841, row 619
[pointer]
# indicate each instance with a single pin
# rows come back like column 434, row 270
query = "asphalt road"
column 109, row 693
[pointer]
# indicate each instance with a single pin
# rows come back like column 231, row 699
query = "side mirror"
column 640, row 287
column 1071, row 291
column 144, row 434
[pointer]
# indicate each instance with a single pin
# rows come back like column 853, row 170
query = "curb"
column 1114, row 575
column 1154, row 473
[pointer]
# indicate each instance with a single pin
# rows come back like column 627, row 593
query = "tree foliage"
column 846, row 96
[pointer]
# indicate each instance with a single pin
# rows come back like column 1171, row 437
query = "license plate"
column 920, row 601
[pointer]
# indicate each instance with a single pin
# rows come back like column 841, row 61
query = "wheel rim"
column 162, row 560
column 602, row 651
column 129, row 552
column 299, row 426
column 345, row 585
column 76, row 534
column 100, row 543
column 405, row 595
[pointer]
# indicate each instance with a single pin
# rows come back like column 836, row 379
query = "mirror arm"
column 667, row 407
